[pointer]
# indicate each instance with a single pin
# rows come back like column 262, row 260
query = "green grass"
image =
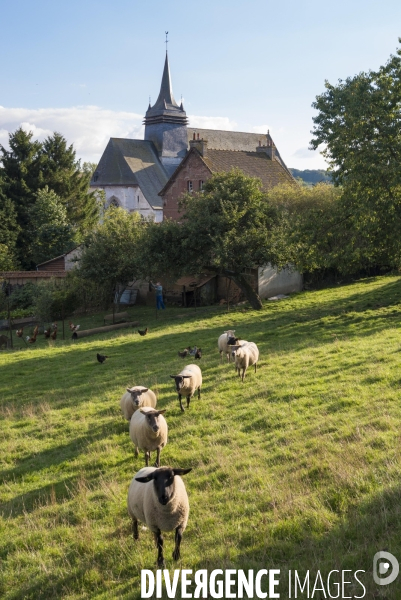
column 296, row 468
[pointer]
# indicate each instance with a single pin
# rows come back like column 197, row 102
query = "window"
column 201, row 185
column 190, row 186
column 114, row 202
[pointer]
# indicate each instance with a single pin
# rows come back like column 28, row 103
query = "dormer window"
column 190, row 186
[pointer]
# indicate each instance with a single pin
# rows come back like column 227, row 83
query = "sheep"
column 225, row 340
column 188, row 388
column 158, row 498
column 148, row 430
column 135, row 398
column 245, row 355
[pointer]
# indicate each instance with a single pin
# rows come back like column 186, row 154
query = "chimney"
column 199, row 145
column 269, row 148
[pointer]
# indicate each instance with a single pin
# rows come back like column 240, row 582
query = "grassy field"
column 296, row 468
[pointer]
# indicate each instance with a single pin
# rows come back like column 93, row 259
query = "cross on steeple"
column 166, row 32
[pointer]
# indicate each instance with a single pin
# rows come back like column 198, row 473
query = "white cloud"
column 88, row 128
column 222, row 123
column 260, row 128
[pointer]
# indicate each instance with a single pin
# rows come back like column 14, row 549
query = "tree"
column 359, row 122
column 112, row 252
column 225, row 228
column 28, row 167
column 52, row 235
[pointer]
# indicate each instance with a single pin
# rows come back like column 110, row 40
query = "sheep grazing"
column 225, row 340
column 158, row 498
column 136, row 397
column 245, row 356
column 187, row 382
column 148, row 430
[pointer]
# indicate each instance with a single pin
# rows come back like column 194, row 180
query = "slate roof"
column 132, row 162
column 232, row 140
column 253, row 164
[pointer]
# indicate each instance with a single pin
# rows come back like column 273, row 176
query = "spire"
column 165, row 109
column 166, row 92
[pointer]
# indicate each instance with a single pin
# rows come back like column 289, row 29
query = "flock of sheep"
column 162, row 503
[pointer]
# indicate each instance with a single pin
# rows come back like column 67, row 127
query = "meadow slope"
column 296, row 468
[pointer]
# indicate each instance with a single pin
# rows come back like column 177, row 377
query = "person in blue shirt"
column 159, row 294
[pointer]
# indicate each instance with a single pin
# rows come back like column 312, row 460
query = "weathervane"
column 166, row 32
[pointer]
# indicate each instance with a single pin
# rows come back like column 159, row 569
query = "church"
column 148, row 176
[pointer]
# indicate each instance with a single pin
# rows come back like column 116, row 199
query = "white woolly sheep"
column 148, row 430
column 158, row 498
column 245, row 356
column 136, row 397
column 187, row 382
column 225, row 340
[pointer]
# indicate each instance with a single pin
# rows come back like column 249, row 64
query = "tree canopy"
column 112, row 252
column 359, row 125
column 29, row 166
column 225, row 228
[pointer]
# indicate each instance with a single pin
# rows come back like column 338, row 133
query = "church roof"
column 233, row 140
column 254, row 164
column 165, row 108
column 132, row 162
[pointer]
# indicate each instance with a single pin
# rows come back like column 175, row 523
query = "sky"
column 87, row 68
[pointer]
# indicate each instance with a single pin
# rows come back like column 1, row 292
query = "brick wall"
column 193, row 170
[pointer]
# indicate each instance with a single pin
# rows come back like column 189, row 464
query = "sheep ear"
column 144, row 479
column 172, row 376
column 142, row 411
column 143, row 391
column 161, row 412
column 186, row 376
column 129, row 390
column 182, row 471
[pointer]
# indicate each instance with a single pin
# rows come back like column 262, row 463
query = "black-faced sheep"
column 158, row 498
column 187, row 382
column 148, row 430
column 136, row 397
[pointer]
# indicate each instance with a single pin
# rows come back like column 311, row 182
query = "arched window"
column 114, row 202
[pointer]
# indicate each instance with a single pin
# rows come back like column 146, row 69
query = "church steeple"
column 165, row 109
column 166, row 124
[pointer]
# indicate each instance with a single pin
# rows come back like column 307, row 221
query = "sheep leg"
column 159, row 543
column 243, row 374
column 135, row 528
column 178, row 538
column 181, row 406
column 199, row 392
column 136, row 452
column 255, row 367
column 188, row 401
column 147, row 456
column 157, row 463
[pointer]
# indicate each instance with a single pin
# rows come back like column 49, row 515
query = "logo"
column 385, row 568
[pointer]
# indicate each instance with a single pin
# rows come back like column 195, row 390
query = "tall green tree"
column 27, row 167
column 112, row 255
column 53, row 234
column 225, row 228
column 359, row 125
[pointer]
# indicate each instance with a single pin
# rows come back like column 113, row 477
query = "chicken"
column 20, row 332
column 47, row 332
column 193, row 351
column 143, row 331
column 101, row 358
column 198, row 353
column 183, row 354
column 32, row 339
column 73, row 327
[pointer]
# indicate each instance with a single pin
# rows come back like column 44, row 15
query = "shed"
column 193, row 289
column 64, row 262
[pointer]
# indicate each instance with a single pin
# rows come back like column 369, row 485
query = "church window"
column 201, row 185
column 190, row 186
column 114, row 202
